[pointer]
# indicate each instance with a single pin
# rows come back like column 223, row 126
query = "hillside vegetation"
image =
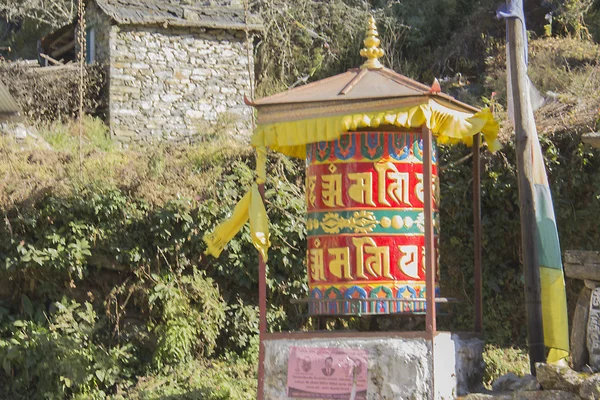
column 105, row 291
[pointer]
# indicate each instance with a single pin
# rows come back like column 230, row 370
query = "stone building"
column 175, row 70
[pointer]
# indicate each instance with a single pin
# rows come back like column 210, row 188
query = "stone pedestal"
column 401, row 366
column 585, row 331
column 579, row 351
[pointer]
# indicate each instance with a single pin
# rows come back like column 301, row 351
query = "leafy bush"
column 191, row 315
column 231, row 377
column 131, row 253
column 61, row 355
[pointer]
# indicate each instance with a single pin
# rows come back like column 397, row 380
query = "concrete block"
column 402, row 366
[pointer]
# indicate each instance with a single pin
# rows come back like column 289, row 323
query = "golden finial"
column 372, row 51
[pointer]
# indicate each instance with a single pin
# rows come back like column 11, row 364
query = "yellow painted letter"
column 340, row 265
column 362, row 190
column 315, row 264
column 332, row 190
column 378, row 261
column 398, row 188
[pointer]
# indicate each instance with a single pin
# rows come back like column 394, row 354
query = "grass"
column 566, row 71
column 65, row 136
column 158, row 173
column 502, row 360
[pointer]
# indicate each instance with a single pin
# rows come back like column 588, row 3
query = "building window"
column 90, row 45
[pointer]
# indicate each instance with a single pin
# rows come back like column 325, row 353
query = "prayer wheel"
column 365, row 223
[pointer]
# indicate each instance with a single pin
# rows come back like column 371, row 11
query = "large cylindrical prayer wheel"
column 365, row 223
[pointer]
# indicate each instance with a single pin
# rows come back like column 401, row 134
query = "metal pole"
column 429, row 236
column 477, row 233
column 262, row 309
column 524, row 128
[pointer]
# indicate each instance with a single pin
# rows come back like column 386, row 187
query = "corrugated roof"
column 150, row 12
column 8, row 105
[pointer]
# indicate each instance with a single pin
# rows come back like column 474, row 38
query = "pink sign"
column 327, row 373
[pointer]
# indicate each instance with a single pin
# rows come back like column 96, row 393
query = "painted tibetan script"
column 593, row 329
column 365, row 196
column 327, row 373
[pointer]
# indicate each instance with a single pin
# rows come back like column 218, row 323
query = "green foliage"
column 133, row 255
column 500, row 361
column 575, row 187
column 191, row 313
column 115, row 246
column 59, row 355
column 23, row 38
column 570, row 16
column 228, row 378
column 127, row 254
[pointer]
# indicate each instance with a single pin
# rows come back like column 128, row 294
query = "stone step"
column 531, row 395
column 580, row 264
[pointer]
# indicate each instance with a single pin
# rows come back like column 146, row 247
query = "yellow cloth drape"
column 554, row 313
column 447, row 124
column 250, row 207
column 290, row 138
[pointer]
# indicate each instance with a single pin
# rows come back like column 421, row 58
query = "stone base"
column 402, row 365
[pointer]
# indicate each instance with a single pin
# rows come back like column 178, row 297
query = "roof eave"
column 183, row 23
column 466, row 107
column 439, row 96
column 193, row 24
column 287, row 112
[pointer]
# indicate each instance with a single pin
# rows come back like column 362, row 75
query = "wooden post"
column 430, row 270
column 477, row 259
column 262, row 310
column 524, row 130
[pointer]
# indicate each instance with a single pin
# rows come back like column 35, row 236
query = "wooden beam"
column 68, row 34
column 50, row 59
column 67, row 47
column 525, row 131
column 592, row 138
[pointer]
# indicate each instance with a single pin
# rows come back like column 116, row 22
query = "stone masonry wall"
column 177, row 83
column 95, row 18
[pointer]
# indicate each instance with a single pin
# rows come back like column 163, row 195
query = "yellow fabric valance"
column 290, row 138
column 447, row 124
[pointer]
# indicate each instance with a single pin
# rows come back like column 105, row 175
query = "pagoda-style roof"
column 355, row 84
column 359, row 84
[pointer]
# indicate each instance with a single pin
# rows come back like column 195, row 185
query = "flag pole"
column 525, row 133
